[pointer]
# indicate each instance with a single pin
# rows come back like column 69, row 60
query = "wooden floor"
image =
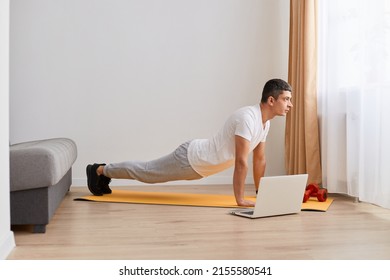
column 83, row 230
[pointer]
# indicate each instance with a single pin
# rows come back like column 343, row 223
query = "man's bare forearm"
column 258, row 171
column 240, row 172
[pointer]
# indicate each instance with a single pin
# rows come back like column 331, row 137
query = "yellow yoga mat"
column 314, row 205
column 187, row 199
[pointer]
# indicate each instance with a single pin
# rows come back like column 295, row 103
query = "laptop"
column 277, row 195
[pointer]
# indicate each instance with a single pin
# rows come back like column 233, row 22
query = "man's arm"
column 241, row 170
column 258, row 163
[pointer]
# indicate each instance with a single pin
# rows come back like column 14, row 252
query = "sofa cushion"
column 40, row 163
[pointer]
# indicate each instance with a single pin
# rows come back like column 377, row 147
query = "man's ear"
column 271, row 100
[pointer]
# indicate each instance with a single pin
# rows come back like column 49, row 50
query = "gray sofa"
column 40, row 177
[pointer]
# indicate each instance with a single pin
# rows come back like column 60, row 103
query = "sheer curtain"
column 354, row 98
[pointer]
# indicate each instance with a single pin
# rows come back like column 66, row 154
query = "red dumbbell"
column 313, row 190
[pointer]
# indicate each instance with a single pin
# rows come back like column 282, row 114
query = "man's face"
column 283, row 104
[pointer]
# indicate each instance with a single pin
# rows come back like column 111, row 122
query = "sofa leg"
column 39, row 228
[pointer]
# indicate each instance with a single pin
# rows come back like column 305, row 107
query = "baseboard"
column 212, row 180
column 7, row 244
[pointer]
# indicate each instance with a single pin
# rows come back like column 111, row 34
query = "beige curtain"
column 302, row 144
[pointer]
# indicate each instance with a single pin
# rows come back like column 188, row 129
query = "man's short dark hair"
column 274, row 88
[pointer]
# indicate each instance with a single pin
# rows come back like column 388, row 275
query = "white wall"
column 7, row 241
column 134, row 79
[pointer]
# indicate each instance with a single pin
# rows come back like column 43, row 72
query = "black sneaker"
column 104, row 181
column 93, row 180
column 103, row 184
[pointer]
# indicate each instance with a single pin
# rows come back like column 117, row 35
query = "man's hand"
column 246, row 203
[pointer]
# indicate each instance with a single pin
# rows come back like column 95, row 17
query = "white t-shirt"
column 210, row 156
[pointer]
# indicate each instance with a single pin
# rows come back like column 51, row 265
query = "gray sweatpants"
column 172, row 167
